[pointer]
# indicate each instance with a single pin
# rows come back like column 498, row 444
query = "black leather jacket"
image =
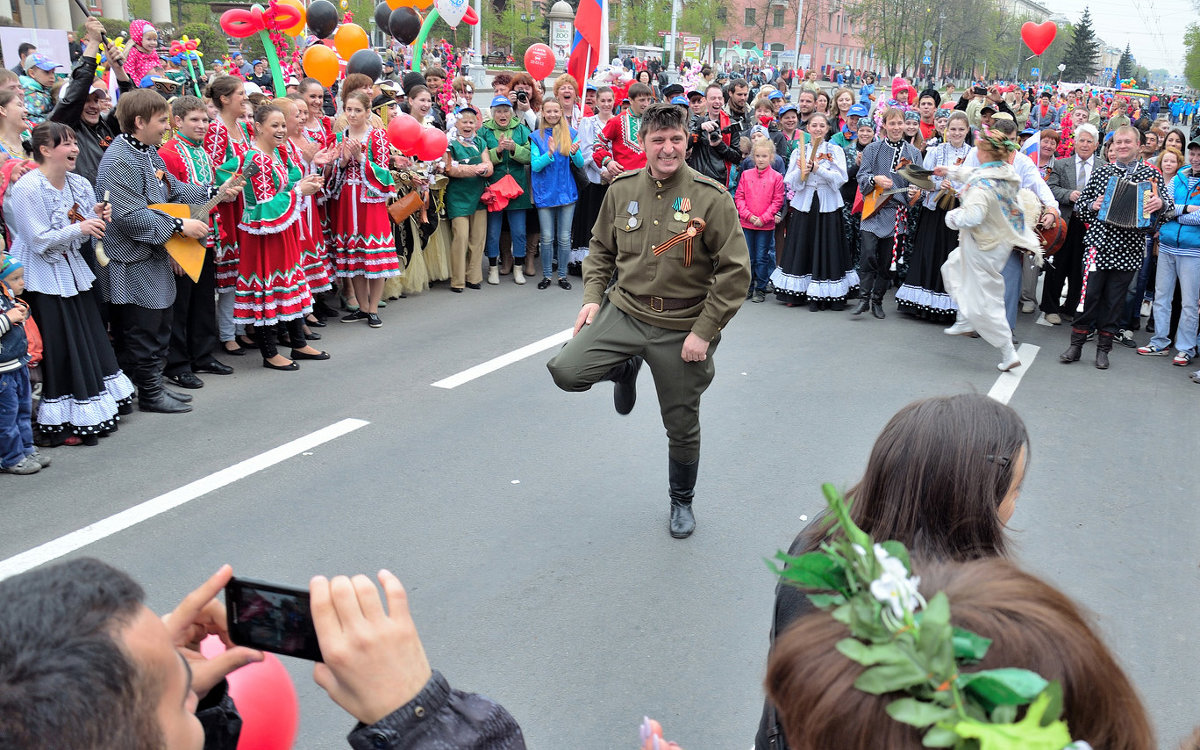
column 714, row 160
column 92, row 139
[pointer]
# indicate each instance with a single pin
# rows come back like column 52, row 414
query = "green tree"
column 504, row 27
column 1125, row 64
column 1082, row 56
column 1191, row 63
column 705, row 19
column 213, row 44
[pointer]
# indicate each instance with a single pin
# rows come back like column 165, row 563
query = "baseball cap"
column 775, row 95
column 468, row 108
column 791, row 108
column 256, row 62
column 38, row 60
column 695, row 93
column 1003, row 116
column 679, row 100
column 501, row 101
column 1195, row 142
column 591, row 87
column 98, row 92
column 858, row 109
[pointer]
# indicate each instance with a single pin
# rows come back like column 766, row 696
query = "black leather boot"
column 1075, row 350
column 877, row 308
column 624, row 378
column 1104, row 342
column 683, row 483
column 864, row 304
column 152, row 398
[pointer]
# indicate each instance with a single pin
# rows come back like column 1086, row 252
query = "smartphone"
column 271, row 617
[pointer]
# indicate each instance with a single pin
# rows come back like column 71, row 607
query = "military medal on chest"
column 633, row 210
column 682, row 208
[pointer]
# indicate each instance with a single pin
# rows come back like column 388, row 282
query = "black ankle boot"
column 864, row 304
column 877, row 308
column 624, row 378
column 152, row 398
column 682, row 479
column 1075, row 350
column 1104, row 343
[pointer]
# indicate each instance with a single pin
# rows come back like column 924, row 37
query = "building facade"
column 766, row 29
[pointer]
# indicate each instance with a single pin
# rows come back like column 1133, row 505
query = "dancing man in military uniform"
column 674, row 240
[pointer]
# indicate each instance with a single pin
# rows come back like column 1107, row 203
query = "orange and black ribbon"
column 694, row 227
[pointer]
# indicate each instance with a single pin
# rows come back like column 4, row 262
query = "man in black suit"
column 1067, row 178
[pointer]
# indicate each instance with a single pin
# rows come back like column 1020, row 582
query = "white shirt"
column 1088, row 164
column 1031, row 177
column 824, row 181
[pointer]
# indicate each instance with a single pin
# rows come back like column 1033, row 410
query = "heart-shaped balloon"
column 451, row 11
column 1038, row 36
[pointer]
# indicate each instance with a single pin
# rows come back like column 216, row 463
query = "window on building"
column 721, row 14
column 777, row 19
column 750, row 17
column 831, row 22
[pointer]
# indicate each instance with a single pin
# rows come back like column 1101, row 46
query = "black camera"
column 522, row 97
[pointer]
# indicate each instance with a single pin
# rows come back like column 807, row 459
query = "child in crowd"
column 17, row 454
column 555, row 148
column 467, row 165
column 759, row 198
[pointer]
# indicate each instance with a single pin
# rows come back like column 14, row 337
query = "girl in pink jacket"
column 759, row 197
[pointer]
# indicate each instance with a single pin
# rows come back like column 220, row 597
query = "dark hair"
column 64, row 673
column 738, row 83
column 806, row 91
column 419, row 89
column 502, row 79
column 182, row 106
column 937, row 475
column 143, row 103
column 662, row 116
column 1050, row 133
column 434, row 72
column 359, row 96
column 51, row 135
column 1005, row 126
column 304, row 84
column 355, row 82
column 638, row 77
column 221, row 87
column 638, row 89
column 25, row 48
column 712, row 86
column 1032, row 626
column 263, row 111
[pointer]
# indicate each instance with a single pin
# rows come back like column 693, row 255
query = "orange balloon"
column 321, row 63
column 422, row 4
column 349, row 38
column 298, row 29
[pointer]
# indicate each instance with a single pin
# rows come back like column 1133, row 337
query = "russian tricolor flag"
column 590, row 48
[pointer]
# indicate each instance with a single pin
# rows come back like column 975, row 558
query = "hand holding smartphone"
column 271, row 617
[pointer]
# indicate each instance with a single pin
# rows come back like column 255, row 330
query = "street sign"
column 1035, row 71
column 928, row 44
column 926, row 60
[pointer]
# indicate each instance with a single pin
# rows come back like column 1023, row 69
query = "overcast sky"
column 1153, row 28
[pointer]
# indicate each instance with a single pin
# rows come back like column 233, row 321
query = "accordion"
column 1124, row 203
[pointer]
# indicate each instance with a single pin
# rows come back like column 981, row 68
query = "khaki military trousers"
column 614, row 337
column 468, row 234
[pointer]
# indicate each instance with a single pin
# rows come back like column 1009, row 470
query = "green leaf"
column 936, row 611
column 1054, row 708
column 1027, row 734
column 1001, row 687
column 888, row 677
column 811, row 570
column 939, row 736
column 825, row 601
column 918, row 713
column 869, row 655
column 970, row 647
column 1004, row 715
column 842, row 512
column 934, row 636
column 897, row 550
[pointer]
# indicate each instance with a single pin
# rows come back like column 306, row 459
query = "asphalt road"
column 529, row 525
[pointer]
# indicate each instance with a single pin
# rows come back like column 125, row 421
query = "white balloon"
column 451, row 11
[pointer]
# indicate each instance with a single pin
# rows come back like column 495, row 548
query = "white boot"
column 960, row 328
column 494, row 275
column 518, row 274
column 1009, row 358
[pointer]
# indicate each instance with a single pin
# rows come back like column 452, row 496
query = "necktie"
column 1081, row 180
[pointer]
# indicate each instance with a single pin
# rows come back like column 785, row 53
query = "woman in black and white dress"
column 923, row 293
column 51, row 214
column 814, row 264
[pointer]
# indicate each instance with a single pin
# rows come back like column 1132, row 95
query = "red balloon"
column 432, row 145
column 539, row 60
column 1038, row 36
column 404, row 132
column 265, row 698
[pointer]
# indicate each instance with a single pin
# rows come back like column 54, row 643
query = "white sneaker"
column 1054, row 319
column 1145, row 312
column 1009, row 360
column 518, row 274
column 494, row 275
column 1028, row 306
column 960, row 328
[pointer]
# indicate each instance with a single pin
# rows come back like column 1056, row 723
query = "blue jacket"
column 553, row 183
column 1176, row 233
column 14, row 347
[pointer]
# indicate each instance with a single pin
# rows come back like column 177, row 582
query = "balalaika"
column 1124, row 203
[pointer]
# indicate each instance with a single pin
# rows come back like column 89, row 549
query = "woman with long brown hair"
column 526, row 99
column 943, row 479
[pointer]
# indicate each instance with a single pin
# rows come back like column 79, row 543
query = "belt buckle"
column 659, row 302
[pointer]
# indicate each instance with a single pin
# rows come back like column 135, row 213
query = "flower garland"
column 907, row 644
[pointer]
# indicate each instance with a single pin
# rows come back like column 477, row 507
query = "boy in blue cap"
column 17, row 454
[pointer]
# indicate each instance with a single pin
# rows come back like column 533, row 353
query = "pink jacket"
column 759, row 193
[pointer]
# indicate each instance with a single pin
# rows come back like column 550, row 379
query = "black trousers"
column 1066, row 266
column 194, row 320
column 875, row 274
column 147, row 336
column 1105, row 301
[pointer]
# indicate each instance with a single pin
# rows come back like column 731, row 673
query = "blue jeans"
column 516, row 230
column 556, row 230
column 16, row 414
column 1137, row 290
column 762, row 252
column 1187, row 271
column 1012, row 286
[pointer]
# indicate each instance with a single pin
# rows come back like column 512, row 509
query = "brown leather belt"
column 662, row 304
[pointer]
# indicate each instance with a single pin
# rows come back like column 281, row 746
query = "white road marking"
column 1006, row 384
column 67, row 544
column 504, row 360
